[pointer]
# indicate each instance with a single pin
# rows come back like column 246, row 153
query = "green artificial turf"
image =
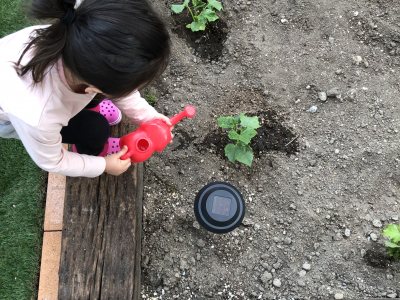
column 22, row 189
column 11, row 17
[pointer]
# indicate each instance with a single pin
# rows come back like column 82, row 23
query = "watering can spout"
column 189, row 112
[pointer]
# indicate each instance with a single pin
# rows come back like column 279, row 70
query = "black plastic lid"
column 219, row 207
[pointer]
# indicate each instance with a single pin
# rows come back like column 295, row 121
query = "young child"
column 53, row 78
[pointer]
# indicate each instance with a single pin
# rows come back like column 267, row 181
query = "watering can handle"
column 127, row 155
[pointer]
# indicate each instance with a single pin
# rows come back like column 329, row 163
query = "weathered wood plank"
column 101, row 242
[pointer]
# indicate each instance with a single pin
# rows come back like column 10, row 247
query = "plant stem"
column 190, row 12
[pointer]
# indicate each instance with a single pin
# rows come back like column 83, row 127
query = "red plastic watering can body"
column 151, row 136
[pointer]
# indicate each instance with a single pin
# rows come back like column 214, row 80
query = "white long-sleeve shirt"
column 39, row 112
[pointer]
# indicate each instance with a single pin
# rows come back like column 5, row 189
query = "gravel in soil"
column 322, row 72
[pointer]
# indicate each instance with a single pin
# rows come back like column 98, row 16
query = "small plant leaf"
column 197, row 4
column 245, row 135
column 196, row 26
column 188, row 25
column 215, row 4
column 239, row 116
column 251, row 122
column 391, row 245
column 177, row 8
column 209, row 14
column 230, row 152
column 227, row 122
column 240, row 152
column 392, row 232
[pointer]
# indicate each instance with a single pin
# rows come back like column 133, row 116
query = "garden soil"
column 323, row 184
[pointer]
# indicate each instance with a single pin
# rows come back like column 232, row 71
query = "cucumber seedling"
column 242, row 130
column 207, row 13
column 393, row 232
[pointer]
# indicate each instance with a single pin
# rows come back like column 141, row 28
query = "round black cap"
column 219, row 207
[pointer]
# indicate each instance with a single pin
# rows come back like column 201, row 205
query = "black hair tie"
column 69, row 16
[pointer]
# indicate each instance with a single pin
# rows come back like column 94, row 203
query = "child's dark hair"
column 116, row 45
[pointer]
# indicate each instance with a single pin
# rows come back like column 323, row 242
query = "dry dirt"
column 339, row 174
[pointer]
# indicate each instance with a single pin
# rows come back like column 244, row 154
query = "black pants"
column 88, row 130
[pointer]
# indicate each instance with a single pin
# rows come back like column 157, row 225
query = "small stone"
column 266, row 277
column 292, row 206
column 313, row 109
column 357, row 59
column 277, row 265
column 339, row 71
column 363, row 252
column 338, row 296
column 393, row 295
column 196, row 225
column 183, row 265
column 333, row 92
column 277, row 282
column 377, row 223
column 266, row 93
column 389, row 276
column 301, row 283
column 284, row 21
column 331, row 40
column 366, row 64
column 352, row 93
column 373, row 237
column 302, row 273
column 338, row 237
column 201, row 243
column 266, row 266
column 167, row 168
column 307, row 267
column 300, row 193
column 322, row 96
column 287, row 240
column 308, row 87
column 347, row 232
column 355, row 13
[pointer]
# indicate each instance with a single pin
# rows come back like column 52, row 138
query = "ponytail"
column 47, row 43
column 117, row 46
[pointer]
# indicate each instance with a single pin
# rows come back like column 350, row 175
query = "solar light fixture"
column 219, row 207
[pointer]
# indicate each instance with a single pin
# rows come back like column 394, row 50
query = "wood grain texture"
column 101, row 241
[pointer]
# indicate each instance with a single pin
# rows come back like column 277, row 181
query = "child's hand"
column 166, row 121
column 114, row 165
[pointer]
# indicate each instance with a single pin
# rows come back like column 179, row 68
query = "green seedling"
column 393, row 232
column 200, row 20
column 149, row 97
column 242, row 130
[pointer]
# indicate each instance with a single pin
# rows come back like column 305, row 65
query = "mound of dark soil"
column 208, row 43
column 377, row 257
column 271, row 136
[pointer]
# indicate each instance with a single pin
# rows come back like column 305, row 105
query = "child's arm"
column 45, row 149
column 136, row 108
